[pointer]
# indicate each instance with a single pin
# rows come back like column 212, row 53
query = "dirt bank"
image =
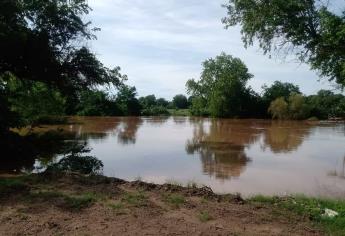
column 77, row 205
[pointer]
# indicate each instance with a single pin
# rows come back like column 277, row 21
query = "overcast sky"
column 160, row 44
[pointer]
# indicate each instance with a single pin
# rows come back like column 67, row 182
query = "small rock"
column 330, row 213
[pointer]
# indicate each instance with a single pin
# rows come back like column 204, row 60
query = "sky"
column 160, row 44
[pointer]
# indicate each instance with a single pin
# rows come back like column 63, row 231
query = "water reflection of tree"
column 222, row 147
column 37, row 148
column 179, row 120
column 157, row 120
column 341, row 173
column 94, row 127
column 128, row 130
column 283, row 137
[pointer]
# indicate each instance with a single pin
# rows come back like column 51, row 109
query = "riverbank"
column 72, row 204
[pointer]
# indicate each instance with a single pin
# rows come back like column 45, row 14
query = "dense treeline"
column 222, row 91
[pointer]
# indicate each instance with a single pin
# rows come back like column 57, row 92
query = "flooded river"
column 245, row 156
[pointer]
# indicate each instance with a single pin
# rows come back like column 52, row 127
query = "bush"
column 155, row 111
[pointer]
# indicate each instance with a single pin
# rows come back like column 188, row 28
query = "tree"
column 298, row 109
column 221, row 88
column 180, row 101
column 279, row 89
column 325, row 104
column 45, row 41
column 33, row 101
column 279, row 109
column 96, row 103
column 306, row 27
column 127, row 101
column 162, row 102
column 148, row 101
column 39, row 41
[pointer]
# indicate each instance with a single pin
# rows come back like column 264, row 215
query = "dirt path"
column 75, row 206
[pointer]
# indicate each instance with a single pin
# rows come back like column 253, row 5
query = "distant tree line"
column 222, row 91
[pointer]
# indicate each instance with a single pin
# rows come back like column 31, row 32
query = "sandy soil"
column 122, row 208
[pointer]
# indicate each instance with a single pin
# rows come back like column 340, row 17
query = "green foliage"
column 135, row 199
column 204, row 216
column 162, row 102
column 221, row 90
column 79, row 202
column 154, row 107
column 99, row 103
column 128, row 103
column 279, row 109
column 279, row 89
column 44, row 59
column 294, row 108
column 8, row 118
column 175, row 200
column 33, row 101
column 179, row 112
column 74, row 161
column 305, row 27
column 96, row 103
column 199, row 107
column 9, row 185
column 326, row 104
column 298, row 109
column 148, row 101
column 72, row 202
column 180, row 101
column 155, row 111
column 312, row 208
column 38, row 43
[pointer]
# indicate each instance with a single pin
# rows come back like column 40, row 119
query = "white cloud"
column 161, row 44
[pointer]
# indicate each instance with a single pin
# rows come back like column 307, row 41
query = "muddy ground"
column 76, row 205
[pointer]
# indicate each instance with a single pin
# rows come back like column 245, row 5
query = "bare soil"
column 117, row 207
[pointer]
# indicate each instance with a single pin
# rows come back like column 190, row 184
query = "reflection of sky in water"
column 246, row 156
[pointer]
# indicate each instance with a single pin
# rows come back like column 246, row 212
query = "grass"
column 79, row 202
column 312, row 208
column 174, row 182
column 72, row 202
column 192, row 184
column 117, row 206
column 12, row 185
column 204, row 216
column 176, row 200
column 179, row 112
column 135, row 199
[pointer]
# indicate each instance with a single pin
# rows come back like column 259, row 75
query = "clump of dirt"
column 95, row 205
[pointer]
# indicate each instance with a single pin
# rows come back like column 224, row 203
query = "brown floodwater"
column 245, row 156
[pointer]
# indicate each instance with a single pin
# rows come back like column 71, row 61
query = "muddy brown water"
column 245, row 156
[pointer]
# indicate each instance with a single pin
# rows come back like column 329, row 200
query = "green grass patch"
column 179, row 112
column 79, row 202
column 135, row 199
column 73, row 202
column 204, row 216
column 313, row 208
column 176, row 200
column 12, row 185
column 117, row 206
